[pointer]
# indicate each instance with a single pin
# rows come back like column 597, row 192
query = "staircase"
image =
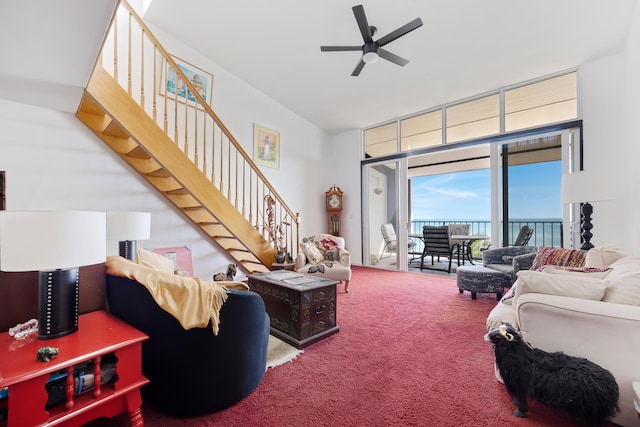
column 182, row 148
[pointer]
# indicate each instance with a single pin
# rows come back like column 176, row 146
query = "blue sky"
column 534, row 192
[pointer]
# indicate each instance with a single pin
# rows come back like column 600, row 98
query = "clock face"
column 334, row 201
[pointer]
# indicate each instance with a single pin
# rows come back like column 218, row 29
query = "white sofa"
column 595, row 315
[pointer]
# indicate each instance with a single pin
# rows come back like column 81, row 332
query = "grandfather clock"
column 334, row 210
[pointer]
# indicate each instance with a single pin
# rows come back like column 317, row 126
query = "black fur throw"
column 575, row 385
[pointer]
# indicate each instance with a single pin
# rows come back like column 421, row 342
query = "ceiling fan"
column 371, row 49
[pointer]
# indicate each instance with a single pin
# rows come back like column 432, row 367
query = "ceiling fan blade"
column 361, row 19
column 339, row 48
column 406, row 28
column 359, row 67
column 385, row 54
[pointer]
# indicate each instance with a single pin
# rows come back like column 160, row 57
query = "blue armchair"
column 194, row 372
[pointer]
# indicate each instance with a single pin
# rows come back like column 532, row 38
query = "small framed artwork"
column 266, row 146
column 173, row 86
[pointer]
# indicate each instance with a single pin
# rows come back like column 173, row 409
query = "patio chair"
column 522, row 239
column 437, row 243
column 524, row 235
column 391, row 240
column 460, row 230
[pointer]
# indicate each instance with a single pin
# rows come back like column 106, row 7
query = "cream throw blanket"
column 191, row 300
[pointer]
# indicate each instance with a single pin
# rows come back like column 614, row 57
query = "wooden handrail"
column 138, row 62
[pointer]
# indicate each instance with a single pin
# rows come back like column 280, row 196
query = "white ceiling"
column 464, row 48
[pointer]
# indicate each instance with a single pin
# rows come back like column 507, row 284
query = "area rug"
column 279, row 352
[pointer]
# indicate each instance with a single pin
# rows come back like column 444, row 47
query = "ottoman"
column 478, row 278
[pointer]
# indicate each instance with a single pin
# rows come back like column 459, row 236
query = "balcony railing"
column 547, row 232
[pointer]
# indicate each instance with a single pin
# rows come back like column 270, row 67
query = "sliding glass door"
column 530, row 177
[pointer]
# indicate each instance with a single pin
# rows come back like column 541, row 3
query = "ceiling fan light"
column 370, row 57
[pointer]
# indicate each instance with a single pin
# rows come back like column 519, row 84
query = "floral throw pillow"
column 548, row 255
column 312, row 252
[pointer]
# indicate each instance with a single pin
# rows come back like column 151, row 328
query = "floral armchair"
column 324, row 255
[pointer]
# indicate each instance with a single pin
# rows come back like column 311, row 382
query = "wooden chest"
column 302, row 307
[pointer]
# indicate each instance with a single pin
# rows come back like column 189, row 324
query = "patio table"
column 467, row 240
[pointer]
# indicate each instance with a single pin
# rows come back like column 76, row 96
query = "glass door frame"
column 571, row 159
column 400, row 204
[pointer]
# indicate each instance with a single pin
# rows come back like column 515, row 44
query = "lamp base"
column 58, row 297
column 586, row 225
column 128, row 249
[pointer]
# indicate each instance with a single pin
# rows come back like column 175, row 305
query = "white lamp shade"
column 585, row 186
column 122, row 226
column 48, row 240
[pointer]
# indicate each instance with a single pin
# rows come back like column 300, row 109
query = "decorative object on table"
column 276, row 233
column 579, row 387
column 266, row 146
column 229, row 275
column 371, row 49
column 281, row 256
column 23, row 330
column 584, row 187
column 334, row 208
column 174, row 87
column 55, row 244
column 127, row 228
column 45, row 354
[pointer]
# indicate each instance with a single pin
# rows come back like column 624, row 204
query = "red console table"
column 98, row 334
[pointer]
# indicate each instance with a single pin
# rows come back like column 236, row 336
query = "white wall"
column 605, row 140
column 342, row 167
column 631, row 231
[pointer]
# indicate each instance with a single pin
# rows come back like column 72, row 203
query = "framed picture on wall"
column 266, row 146
column 172, row 86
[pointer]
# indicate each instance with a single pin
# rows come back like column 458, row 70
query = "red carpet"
column 410, row 352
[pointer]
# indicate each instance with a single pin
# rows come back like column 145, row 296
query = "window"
column 473, row 119
column 549, row 101
column 530, row 105
column 421, row 131
column 381, row 141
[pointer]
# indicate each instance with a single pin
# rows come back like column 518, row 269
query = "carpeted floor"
column 410, row 352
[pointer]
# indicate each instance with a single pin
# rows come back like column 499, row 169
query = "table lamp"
column 55, row 244
column 584, row 187
column 127, row 228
